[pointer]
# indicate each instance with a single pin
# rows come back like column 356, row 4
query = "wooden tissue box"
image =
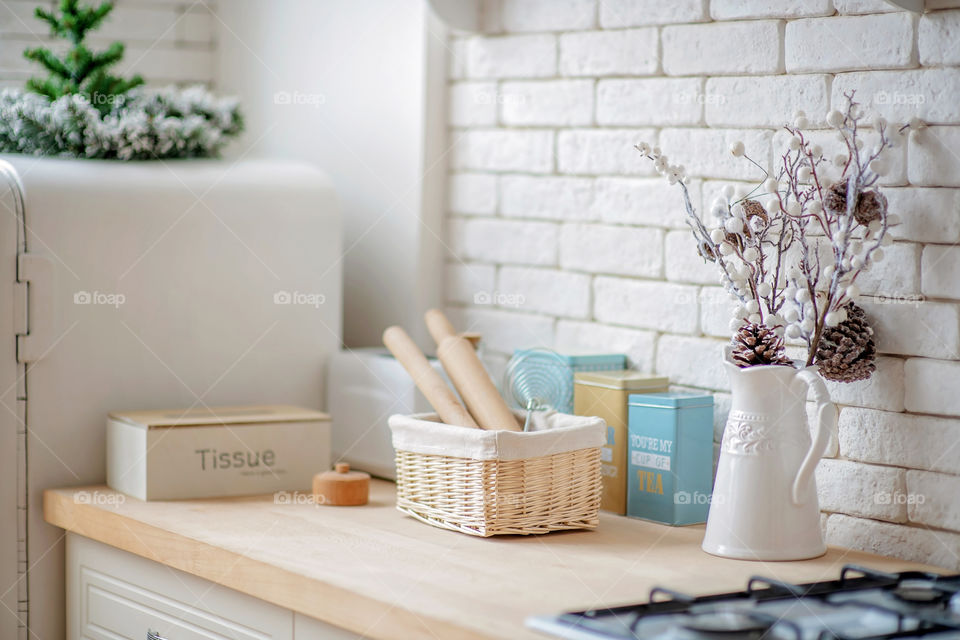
column 223, row 451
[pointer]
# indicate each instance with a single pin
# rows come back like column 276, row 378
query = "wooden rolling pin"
column 438, row 325
column 461, row 363
column 434, row 389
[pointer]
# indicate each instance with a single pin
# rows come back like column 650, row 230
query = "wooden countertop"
column 377, row 572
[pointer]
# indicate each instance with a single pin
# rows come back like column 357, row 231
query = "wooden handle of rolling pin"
column 434, row 389
column 473, row 383
column 438, row 325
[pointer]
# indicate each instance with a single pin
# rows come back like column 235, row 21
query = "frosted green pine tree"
column 79, row 70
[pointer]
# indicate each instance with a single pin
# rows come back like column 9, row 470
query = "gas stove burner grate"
column 727, row 624
column 863, row 604
column 921, row 592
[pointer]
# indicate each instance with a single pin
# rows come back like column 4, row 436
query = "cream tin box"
column 605, row 394
column 222, row 451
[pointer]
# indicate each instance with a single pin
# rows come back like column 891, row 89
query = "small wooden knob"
column 341, row 487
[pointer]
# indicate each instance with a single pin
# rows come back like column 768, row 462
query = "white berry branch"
column 792, row 261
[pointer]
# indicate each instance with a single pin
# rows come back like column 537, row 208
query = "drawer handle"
column 153, row 635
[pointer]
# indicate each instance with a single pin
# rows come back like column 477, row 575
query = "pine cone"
column 846, row 352
column 756, row 344
column 870, row 204
column 752, row 208
column 835, row 200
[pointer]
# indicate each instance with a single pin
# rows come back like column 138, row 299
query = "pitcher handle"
column 826, row 425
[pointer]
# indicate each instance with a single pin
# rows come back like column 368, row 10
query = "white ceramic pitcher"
column 764, row 504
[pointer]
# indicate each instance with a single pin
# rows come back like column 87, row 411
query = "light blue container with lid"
column 563, row 366
column 670, row 457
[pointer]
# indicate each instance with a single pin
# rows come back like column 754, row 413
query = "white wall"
column 551, row 207
column 345, row 85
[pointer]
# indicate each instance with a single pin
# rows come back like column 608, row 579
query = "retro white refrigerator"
column 137, row 286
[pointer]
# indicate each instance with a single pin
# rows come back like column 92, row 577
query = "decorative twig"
column 773, row 257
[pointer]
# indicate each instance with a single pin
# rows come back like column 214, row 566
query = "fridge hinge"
column 20, row 324
column 33, row 306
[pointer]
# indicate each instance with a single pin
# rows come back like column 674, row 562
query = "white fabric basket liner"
column 550, row 433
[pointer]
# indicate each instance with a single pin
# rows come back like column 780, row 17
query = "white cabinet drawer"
column 112, row 594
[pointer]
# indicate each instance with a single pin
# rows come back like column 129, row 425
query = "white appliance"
column 364, row 388
column 138, row 286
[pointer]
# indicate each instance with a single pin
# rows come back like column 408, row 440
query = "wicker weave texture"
column 497, row 497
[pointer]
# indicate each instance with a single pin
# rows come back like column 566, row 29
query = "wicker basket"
column 487, row 483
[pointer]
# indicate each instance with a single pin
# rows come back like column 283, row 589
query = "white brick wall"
column 933, row 158
column 690, row 143
column 630, row 52
column 937, row 507
column 884, row 437
column 910, row 543
column 596, row 248
column 938, row 35
column 601, row 151
column 654, row 101
column 645, row 304
column 899, row 95
column 547, row 15
column 616, row 14
column 545, row 197
column 941, row 266
column 909, row 328
column 466, row 283
column 737, row 9
column 862, row 490
column 643, row 201
column 931, row 386
column 548, row 200
column 637, row 345
column 550, row 102
column 882, row 42
column 733, row 101
column 504, row 150
column 884, row 390
column 929, row 215
column 511, row 57
column 557, row 293
column 723, row 48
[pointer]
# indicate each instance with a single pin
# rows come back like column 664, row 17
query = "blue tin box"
column 670, row 457
column 572, row 363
